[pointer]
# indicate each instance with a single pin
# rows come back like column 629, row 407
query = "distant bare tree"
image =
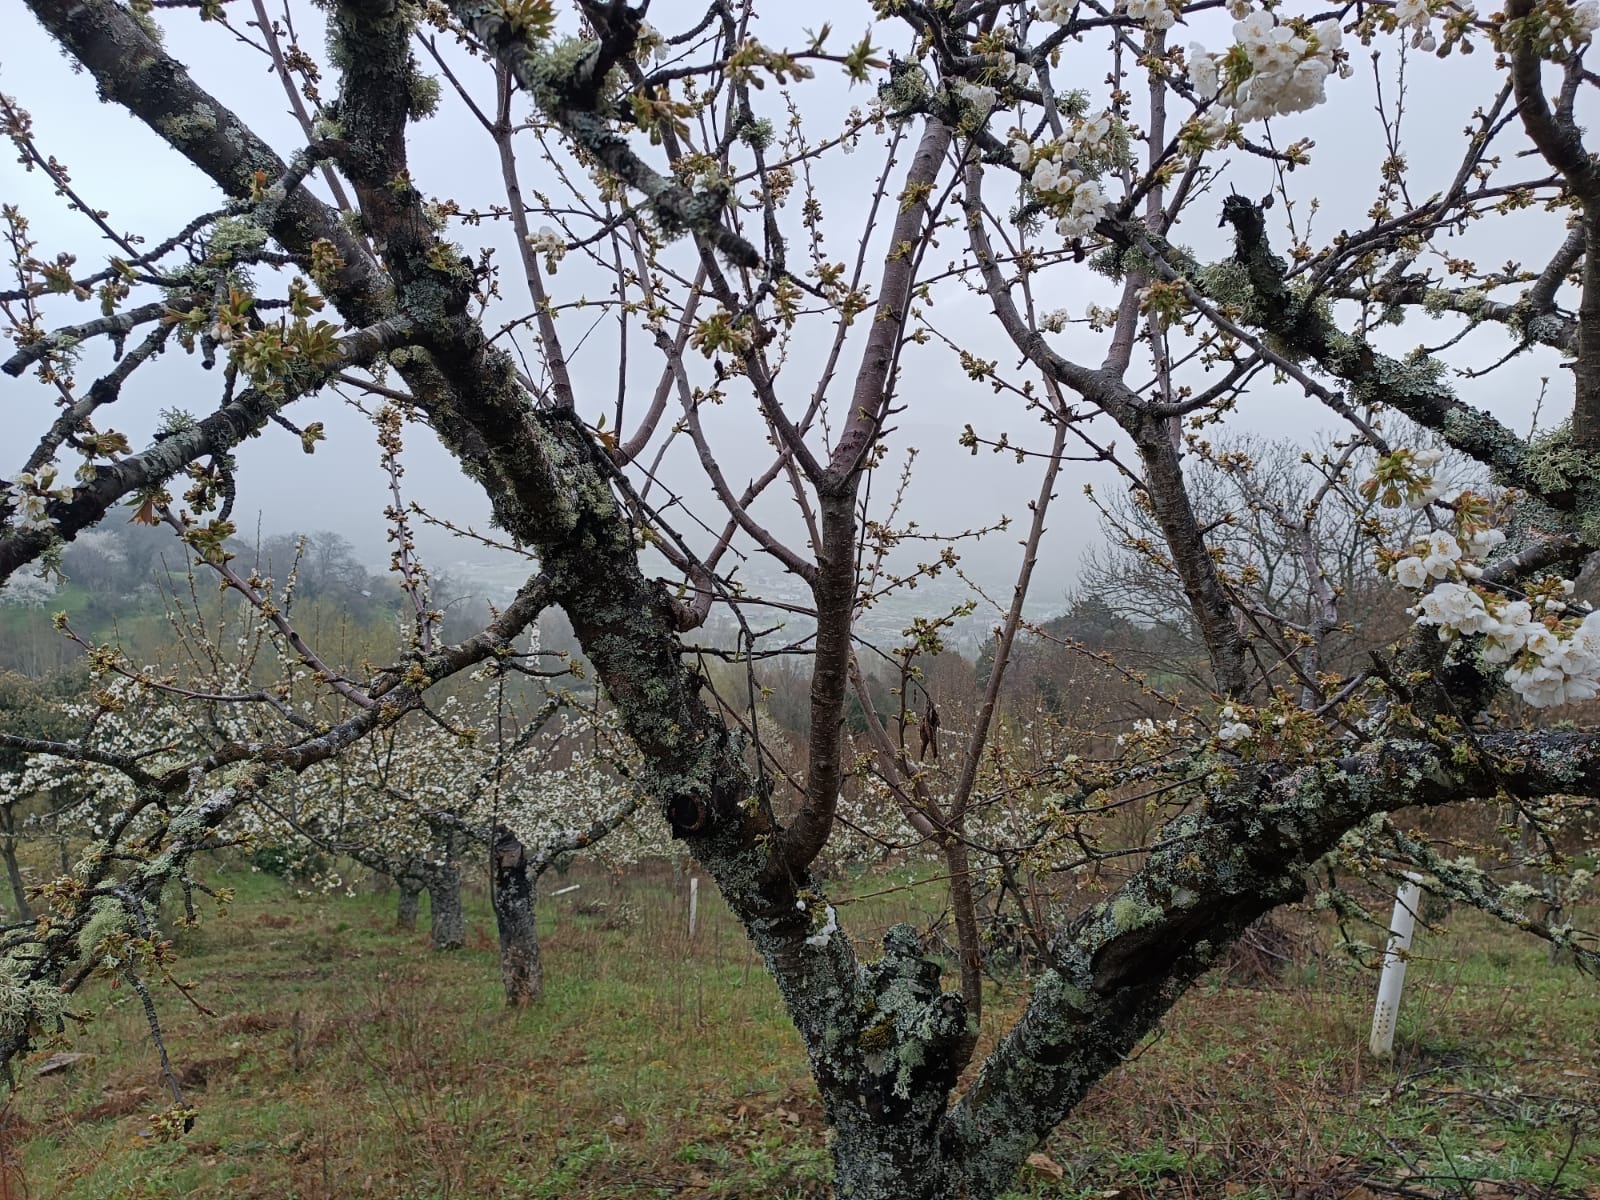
column 1292, row 539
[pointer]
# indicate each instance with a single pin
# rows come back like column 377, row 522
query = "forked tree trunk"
column 444, row 898
column 516, row 895
column 410, row 901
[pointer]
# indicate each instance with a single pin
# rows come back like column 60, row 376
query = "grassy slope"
column 347, row 1060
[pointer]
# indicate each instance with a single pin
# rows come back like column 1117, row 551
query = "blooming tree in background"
column 474, row 781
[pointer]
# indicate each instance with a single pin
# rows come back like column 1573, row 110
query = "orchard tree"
column 1030, row 206
column 30, row 710
column 521, row 789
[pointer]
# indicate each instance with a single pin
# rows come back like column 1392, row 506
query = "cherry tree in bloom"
column 1272, row 69
column 481, row 781
column 1550, row 645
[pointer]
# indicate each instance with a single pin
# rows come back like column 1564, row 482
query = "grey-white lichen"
column 1516, row 895
column 235, row 238
column 424, row 96
column 1227, row 282
column 756, row 134
column 198, row 122
column 27, row 1005
column 1554, row 464
column 328, row 129
column 107, row 918
column 1128, row 914
column 1549, row 328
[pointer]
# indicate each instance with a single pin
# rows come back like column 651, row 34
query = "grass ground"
column 345, row 1059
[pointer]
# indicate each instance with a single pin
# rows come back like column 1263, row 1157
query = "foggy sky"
column 122, row 167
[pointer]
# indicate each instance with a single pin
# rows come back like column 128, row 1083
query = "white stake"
column 571, row 887
column 1394, row 965
column 694, row 901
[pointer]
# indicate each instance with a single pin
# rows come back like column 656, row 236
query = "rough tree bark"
column 516, row 893
column 448, row 920
column 408, row 902
column 8, row 850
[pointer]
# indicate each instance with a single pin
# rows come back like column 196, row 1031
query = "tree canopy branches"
column 698, row 206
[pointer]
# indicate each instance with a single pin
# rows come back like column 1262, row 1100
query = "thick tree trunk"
column 887, row 1090
column 516, row 896
column 444, row 898
column 410, row 901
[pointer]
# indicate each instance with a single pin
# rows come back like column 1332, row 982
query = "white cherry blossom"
column 1273, row 70
column 1157, row 14
column 1230, row 730
column 1443, row 552
column 1410, row 573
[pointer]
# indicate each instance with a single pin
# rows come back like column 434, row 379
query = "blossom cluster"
column 30, row 494
column 1001, row 69
column 550, row 244
column 1557, row 25
column 1062, row 172
column 1233, row 729
column 131, row 721
column 1427, row 487
column 1230, row 729
column 1273, row 68
column 29, row 588
column 1441, row 555
column 1416, row 15
column 1551, row 655
column 1148, row 727
column 1007, row 66
column 1581, row 22
column 979, row 96
column 650, row 46
column 998, row 49
column 377, row 809
column 1155, row 14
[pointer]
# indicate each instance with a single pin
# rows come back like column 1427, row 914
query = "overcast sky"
column 122, row 167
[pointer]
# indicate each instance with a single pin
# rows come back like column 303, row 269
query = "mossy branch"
column 565, row 81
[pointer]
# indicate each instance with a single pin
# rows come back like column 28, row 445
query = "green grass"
column 345, row 1059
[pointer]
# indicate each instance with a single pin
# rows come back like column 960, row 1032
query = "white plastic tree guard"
column 1401, row 926
column 694, row 901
